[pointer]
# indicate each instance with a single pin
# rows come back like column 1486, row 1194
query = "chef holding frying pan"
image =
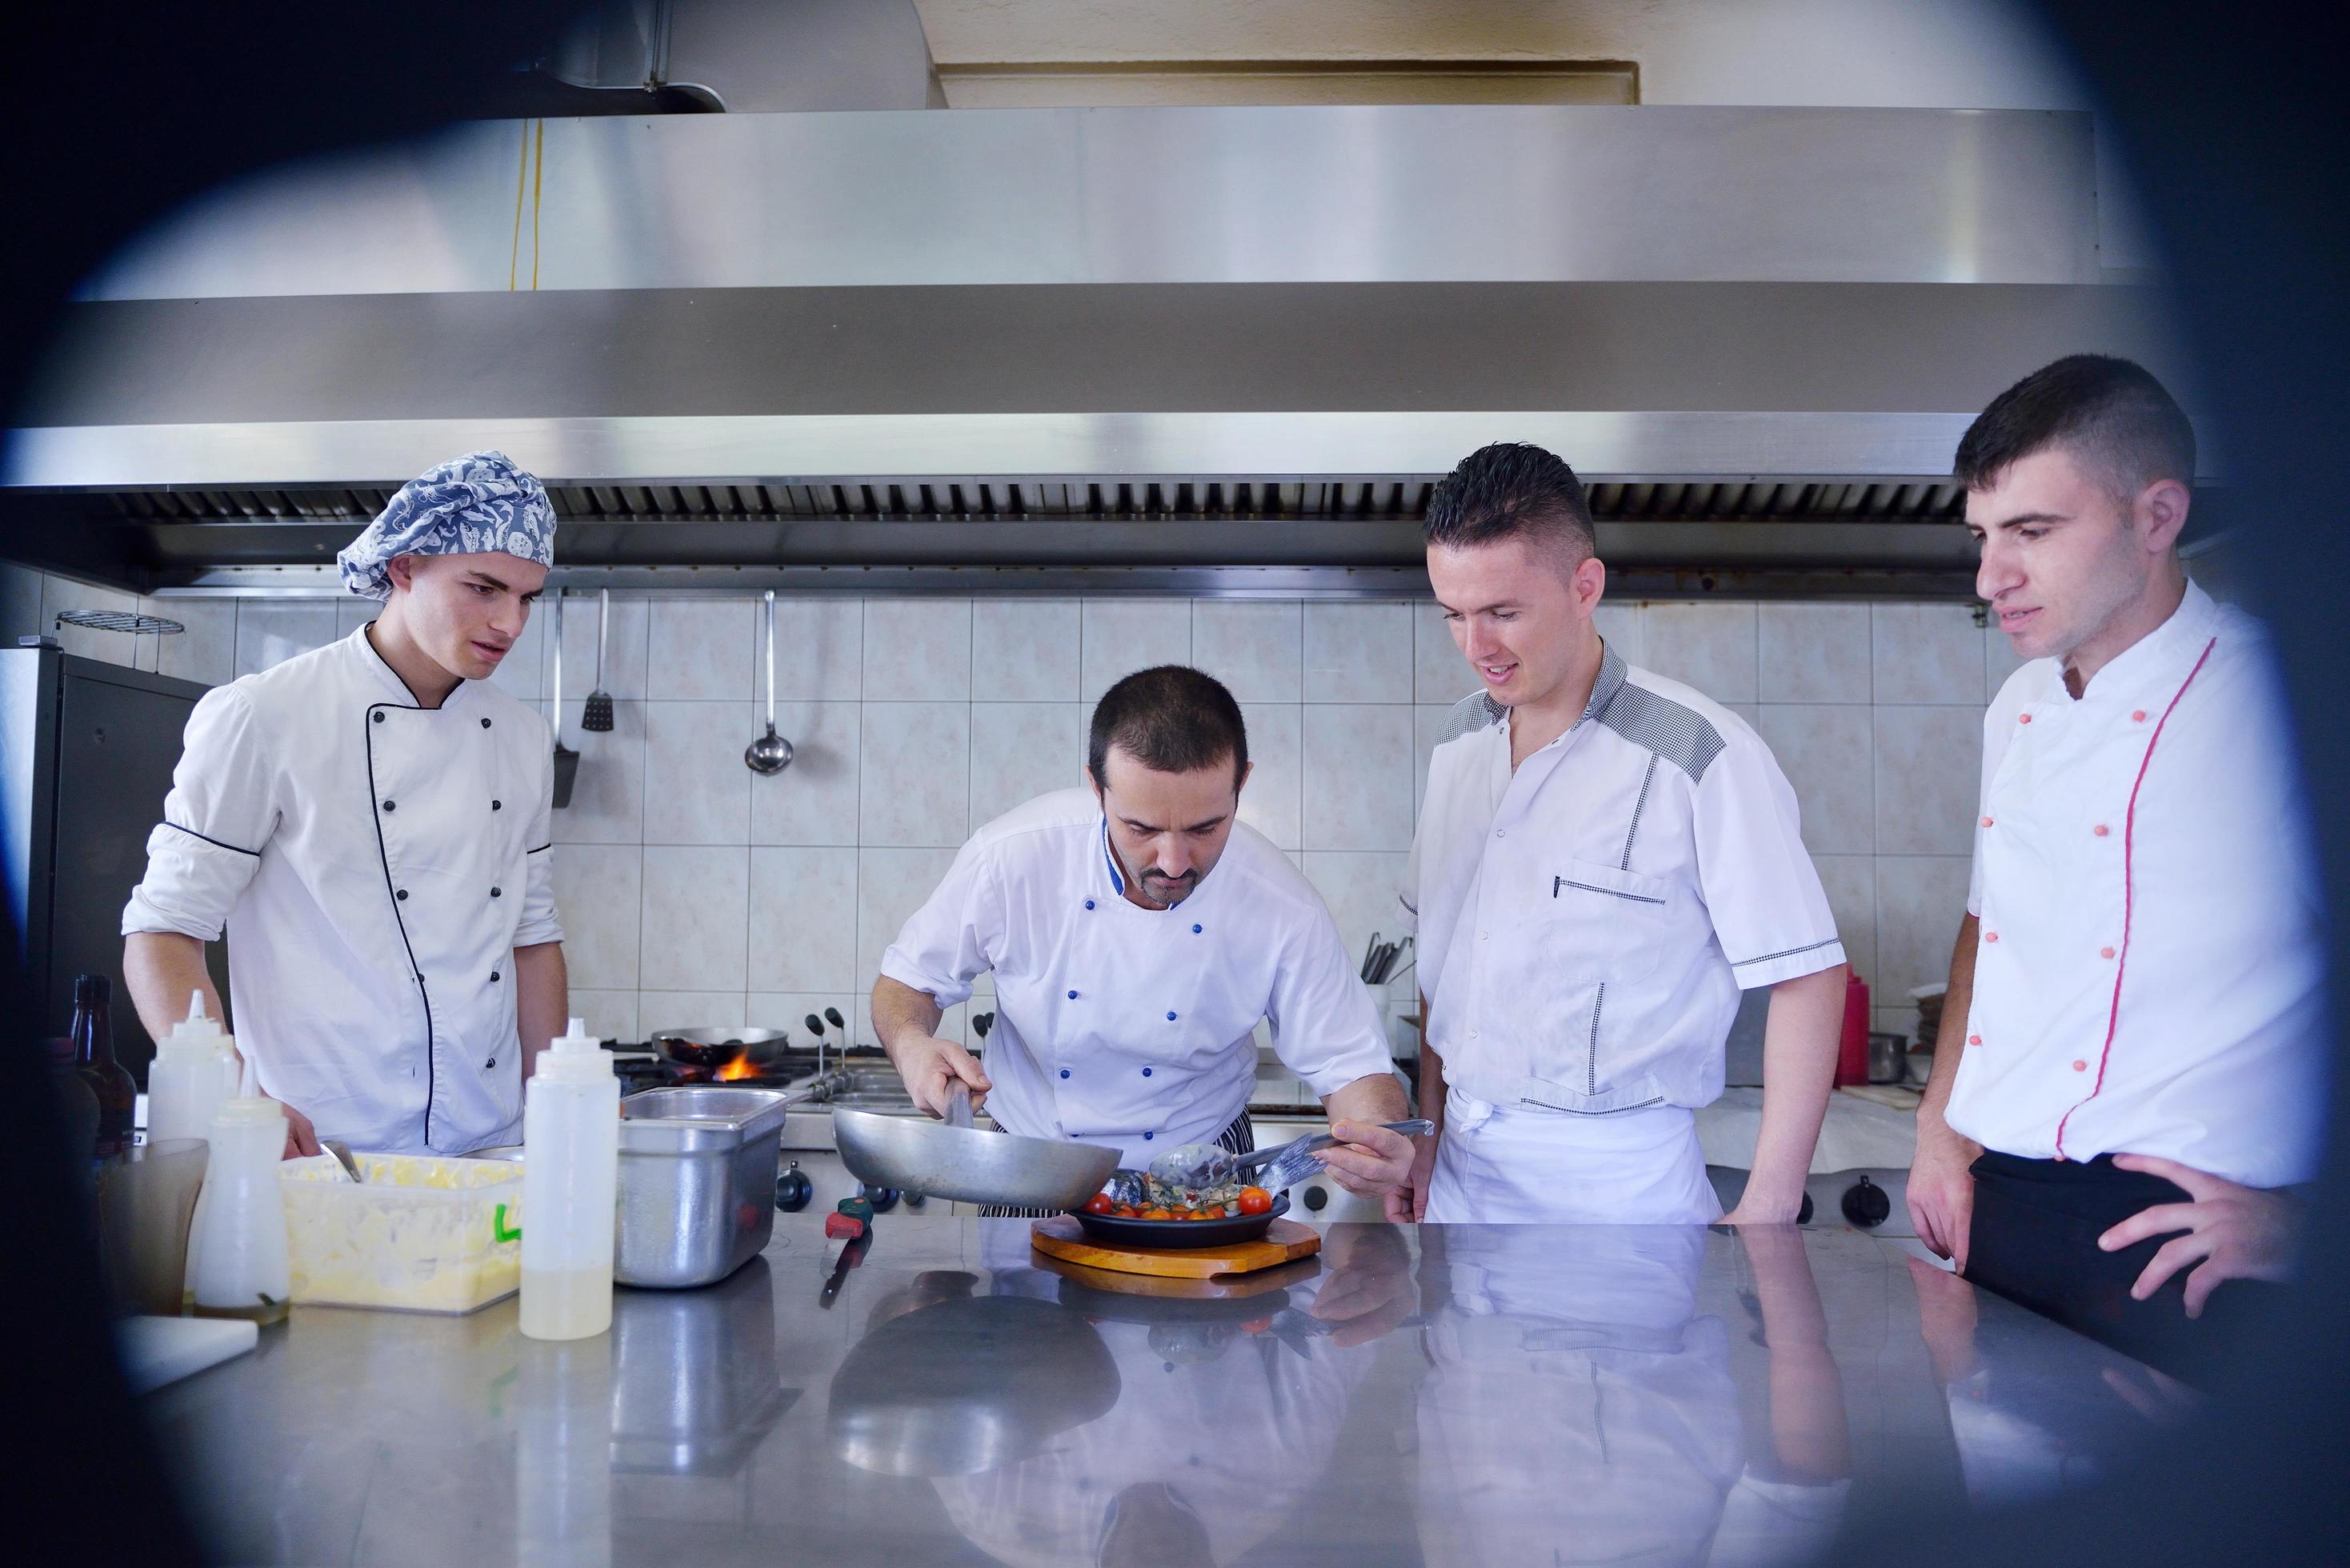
column 1137, row 932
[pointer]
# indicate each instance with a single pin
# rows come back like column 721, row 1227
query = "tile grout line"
column 644, row 784
column 857, row 894
column 1876, row 892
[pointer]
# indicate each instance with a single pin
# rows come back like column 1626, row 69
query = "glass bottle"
column 110, row 1083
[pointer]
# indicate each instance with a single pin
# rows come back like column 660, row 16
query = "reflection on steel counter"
column 1596, row 1339
column 1465, row 1393
column 686, row 1389
column 695, row 1384
column 946, row 1383
column 1166, row 1431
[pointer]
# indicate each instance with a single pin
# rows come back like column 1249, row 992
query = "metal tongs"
column 1277, row 1168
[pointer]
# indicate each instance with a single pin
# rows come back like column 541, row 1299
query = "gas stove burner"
column 669, row 1061
column 658, row 1063
column 666, row 1074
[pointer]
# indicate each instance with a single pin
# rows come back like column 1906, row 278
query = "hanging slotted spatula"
column 567, row 760
column 596, row 718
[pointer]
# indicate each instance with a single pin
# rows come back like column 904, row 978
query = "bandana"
column 468, row 505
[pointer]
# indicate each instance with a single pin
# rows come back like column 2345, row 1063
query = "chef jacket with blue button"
column 1130, row 1026
column 2149, row 965
column 1586, row 922
column 375, row 864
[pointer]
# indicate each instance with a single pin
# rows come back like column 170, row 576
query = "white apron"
column 1501, row 1166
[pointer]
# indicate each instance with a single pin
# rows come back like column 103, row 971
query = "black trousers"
column 2033, row 1240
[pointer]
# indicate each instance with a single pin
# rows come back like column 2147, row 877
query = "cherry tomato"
column 1099, row 1203
column 1159, row 1214
column 1212, row 1212
column 1255, row 1200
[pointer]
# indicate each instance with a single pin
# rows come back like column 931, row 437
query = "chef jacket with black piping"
column 1130, row 1026
column 2149, row 964
column 375, row 864
column 1585, row 924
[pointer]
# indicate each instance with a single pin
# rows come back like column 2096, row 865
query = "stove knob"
column 1804, row 1215
column 1866, row 1204
column 883, row 1198
column 1316, row 1197
column 916, row 1199
column 792, row 1189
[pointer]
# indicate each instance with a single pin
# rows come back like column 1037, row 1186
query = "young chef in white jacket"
column 1605, row 860
column 2131, row 1060
column 369, row 825
column 1138, row 930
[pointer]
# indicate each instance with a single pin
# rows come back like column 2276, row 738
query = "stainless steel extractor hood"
column 1225, row 349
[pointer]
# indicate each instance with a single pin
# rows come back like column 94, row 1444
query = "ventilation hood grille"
column 1261, row 498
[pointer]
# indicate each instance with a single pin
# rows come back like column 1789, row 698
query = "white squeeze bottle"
column 237, row 1265
column 570, row 1187
column 192, row 1075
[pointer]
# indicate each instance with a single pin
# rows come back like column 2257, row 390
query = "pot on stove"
column 708, row 1050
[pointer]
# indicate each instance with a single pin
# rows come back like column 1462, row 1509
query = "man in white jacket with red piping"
column 2129, row 1072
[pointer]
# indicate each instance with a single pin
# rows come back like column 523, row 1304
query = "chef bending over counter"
column 1138, row 930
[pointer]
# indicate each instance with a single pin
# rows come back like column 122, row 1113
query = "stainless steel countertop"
column 1460, row 1394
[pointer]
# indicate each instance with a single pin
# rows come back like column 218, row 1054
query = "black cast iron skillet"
column 1120, row 1232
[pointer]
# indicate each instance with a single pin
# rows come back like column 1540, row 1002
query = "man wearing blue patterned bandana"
column 369, row 824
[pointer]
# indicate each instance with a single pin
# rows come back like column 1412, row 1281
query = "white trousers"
column 1496, row 1166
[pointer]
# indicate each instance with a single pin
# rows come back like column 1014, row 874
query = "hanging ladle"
column 770, row 753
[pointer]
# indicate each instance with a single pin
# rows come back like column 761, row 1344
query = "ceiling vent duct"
column 1228, row 349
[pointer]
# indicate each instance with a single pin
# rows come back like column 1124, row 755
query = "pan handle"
column 958, row 1103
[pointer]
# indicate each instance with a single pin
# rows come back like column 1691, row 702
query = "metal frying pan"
column 711, row 1048
column 954, row 1160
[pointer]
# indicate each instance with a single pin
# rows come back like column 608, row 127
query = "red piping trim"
column 2121, row 961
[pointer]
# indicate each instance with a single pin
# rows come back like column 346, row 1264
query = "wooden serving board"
column 1158, row 1287
column 1062, row 1237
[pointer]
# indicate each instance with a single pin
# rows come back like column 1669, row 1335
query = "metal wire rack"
column 120, row 620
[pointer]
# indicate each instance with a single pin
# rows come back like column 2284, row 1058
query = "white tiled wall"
column 695, row 891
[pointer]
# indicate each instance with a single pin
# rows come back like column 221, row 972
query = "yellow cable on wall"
column 521, row 178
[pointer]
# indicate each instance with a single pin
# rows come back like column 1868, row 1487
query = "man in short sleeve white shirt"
column 1137, row 932
column 1605, row 860
column 2132, row 1044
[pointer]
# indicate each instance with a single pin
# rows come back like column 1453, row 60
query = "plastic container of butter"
column 418, row 1233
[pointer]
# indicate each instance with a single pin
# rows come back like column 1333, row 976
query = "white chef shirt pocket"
column 1602, row 921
